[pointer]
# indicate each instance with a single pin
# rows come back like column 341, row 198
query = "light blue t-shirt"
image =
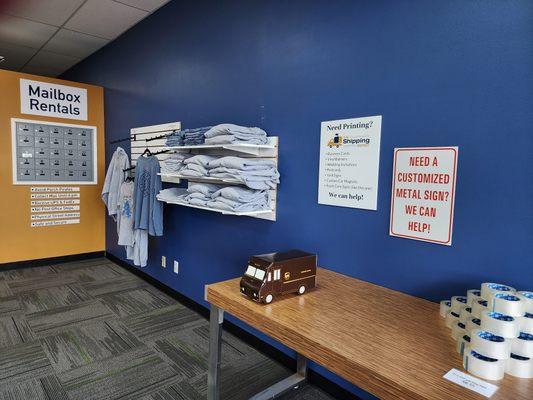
column 148, row 210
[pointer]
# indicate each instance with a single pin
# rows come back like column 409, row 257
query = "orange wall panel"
column 18, row 240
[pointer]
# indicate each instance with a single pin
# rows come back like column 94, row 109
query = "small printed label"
column 36, row 224
column 54, row 209
column 55, row 195
column 48, row 189
column 468, row 381
column 55, row 216
column 53, row 202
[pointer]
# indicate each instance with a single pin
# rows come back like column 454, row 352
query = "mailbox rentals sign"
column 51, row 100
column 423, row 193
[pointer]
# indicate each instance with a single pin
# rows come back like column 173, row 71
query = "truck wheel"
column 301, row 289
column 269, row 298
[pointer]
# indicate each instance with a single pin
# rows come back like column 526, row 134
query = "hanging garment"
column 134, row 240
column 125, row 214
column 138, row 253
column 148, row 209
column 113, row 180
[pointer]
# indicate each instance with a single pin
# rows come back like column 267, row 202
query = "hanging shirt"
column 125, row 214
column 148, row 210
column 138, row 253
column 114, row 179
column 135, row 240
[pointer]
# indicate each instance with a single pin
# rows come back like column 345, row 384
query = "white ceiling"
column 47, row 37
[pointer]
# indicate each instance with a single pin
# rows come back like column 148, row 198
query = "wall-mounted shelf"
column 224, row 212
column 259, row 150
column 176, row 178
column 156, row 143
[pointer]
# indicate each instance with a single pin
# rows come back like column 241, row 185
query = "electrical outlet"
column 163, row 261
column 176, row 266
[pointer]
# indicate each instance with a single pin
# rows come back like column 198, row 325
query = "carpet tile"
column 91, row 330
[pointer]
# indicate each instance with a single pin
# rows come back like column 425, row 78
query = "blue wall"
column 441, row 73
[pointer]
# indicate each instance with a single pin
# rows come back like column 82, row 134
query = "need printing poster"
column 349, row 162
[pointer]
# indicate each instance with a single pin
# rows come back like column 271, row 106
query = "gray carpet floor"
column 91, row 330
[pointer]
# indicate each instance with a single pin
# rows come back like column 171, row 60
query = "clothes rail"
column 126, row 139
column 161, row 136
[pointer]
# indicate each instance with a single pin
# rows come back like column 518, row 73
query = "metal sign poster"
column 423, row 193
column 349, row 162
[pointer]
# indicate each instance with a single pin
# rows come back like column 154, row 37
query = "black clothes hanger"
column 147, row 152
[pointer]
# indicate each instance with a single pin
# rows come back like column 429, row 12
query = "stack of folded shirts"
column 256, row 174
column 174, row 139
column 199, row 194
column 193, row 137
column 233, row 134
column 239, row 199
column 172, row 195
column 197, row 166
column 174, row 163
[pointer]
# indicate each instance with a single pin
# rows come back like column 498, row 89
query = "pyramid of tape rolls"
column 493, row 328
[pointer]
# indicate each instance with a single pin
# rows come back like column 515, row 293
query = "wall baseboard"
column 270, row 351
column 53, row 260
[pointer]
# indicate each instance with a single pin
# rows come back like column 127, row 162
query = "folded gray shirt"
column 240, row 194
column 228, row 129
column 241, row 163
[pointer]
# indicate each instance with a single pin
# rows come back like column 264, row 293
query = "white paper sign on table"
column 470, row 382
column 349, row 162
column 423, row 193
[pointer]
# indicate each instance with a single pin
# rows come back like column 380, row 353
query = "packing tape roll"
column 521, row 367
column 465, row 315
column 490, row 345
column 473, row 323
column 478, row 307
column 523, row 345
column 509, row 304
column 499, row 324
column 526, row 323
column 488, row 290
column 473, row 295
column 482, row 366
column 458, row 303
column 445, row 306
column 458, row 330
column 451, row 318
column 527, row 297
column 462, row 343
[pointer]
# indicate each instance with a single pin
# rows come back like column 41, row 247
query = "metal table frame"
column 213, row 376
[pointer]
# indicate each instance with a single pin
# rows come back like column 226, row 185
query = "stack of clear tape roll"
column 493, row 329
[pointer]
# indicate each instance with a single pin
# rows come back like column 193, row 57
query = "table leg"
column 215, row 345
column 287, row 384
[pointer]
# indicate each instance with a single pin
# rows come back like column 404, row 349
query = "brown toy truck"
column 270, row 275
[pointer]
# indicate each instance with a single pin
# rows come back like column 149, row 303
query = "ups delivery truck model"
column 270, row 275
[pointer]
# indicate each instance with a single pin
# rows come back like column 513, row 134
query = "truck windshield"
column 255, row 273
column 250, row 271
column 260, row 274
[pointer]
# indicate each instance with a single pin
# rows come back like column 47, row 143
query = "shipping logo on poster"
column 423, row 193
column 52, row 100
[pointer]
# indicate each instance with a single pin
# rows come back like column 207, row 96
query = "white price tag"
column 468, row 381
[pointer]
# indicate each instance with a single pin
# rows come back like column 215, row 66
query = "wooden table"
column 390, row 344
